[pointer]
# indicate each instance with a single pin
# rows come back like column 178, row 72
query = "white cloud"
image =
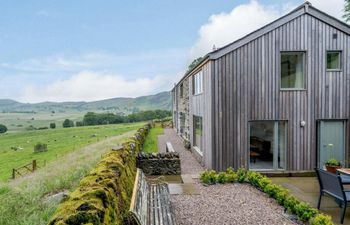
column 90, row 86
column 332, row 7
column 224, row 28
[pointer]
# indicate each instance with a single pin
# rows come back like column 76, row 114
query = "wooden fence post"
column 34, row 165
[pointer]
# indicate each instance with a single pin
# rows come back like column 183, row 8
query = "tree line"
column 92, row 118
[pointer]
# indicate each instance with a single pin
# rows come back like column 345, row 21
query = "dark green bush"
column 241, row 175
column 3, row 129
column 40, row 147
column 52, row 125
column 321, row 219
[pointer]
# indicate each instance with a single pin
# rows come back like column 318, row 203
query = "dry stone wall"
column 160, row 163
column 103, row 196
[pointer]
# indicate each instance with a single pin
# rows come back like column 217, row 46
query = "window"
column 182, row 122
column 333, row 60
column 292, row 70
column 268, row 143
column 198, row 83
column 197, row 130
column 181, row 91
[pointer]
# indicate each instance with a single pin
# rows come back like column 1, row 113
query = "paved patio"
column 307, row 189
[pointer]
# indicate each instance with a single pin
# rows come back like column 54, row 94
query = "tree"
column 68, row 123
column 194, row 63
column 3, row 129
column 79, row 124
column 52, row 125
column 346, row 16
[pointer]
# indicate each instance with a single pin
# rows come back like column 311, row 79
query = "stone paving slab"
column 189, row 165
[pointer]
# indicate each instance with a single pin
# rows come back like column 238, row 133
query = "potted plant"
column 332, row 165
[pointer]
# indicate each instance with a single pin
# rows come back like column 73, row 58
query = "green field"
column 16, row 122
column 30, row 200
column 60, row 142
column 151, row 141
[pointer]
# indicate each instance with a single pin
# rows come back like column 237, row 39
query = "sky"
column 86, row 50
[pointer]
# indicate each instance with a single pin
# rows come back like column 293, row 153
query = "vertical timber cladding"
column 200, row 105
column 246, row 87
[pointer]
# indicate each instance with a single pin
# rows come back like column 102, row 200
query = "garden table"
column 345, row 175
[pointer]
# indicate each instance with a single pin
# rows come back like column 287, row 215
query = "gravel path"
column 228, row 204
column 189, row 165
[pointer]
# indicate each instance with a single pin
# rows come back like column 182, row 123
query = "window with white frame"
column 198, row 83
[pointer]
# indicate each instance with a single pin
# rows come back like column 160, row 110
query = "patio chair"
column 331, row 184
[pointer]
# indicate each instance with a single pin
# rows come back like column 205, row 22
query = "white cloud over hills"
column 99, row 75
column 90, row 86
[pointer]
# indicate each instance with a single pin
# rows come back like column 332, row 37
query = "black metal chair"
column 331, row 184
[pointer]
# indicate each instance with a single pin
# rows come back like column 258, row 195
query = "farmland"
column 17, row 122
column 16, row 149
column 72, row 153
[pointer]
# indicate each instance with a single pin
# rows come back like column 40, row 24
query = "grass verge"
column 151, row 142
column 16, row 149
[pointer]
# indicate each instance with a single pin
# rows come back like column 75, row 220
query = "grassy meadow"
column 32, row 199
column 151, row 142
column 60, row 141
column 17, row 122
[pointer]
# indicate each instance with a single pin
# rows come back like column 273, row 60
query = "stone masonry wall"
column 159, row 164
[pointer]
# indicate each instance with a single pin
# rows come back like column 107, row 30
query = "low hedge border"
column 301, row 209
column 104, row 195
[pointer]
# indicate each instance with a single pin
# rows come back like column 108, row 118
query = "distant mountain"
column 116, row 105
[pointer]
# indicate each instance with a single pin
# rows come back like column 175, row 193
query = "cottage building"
column 276, row 100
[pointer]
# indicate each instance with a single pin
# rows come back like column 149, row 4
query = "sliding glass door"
column 267, row 145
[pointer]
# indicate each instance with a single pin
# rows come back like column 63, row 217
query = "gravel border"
column 228, row 204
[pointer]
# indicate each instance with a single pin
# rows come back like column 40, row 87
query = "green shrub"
column 52, row 125
column 272, row 189
column 304, row 211
column 290, row 203
column 221, row 178
column 263, row 182
column 231, row 176
column 241, row 175
column 321, row 219
column 254, row 178
column 281, row 196
column 208, row 177
column 40, row 147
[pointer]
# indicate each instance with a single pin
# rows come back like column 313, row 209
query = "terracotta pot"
column 332, row 169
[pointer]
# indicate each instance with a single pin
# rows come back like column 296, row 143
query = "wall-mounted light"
column 302, row 123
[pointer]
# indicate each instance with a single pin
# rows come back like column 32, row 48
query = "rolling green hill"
column 116, row 105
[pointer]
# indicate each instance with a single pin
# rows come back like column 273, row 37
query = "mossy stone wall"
column 103, row 196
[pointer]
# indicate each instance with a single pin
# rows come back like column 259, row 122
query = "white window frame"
column 198, row 83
